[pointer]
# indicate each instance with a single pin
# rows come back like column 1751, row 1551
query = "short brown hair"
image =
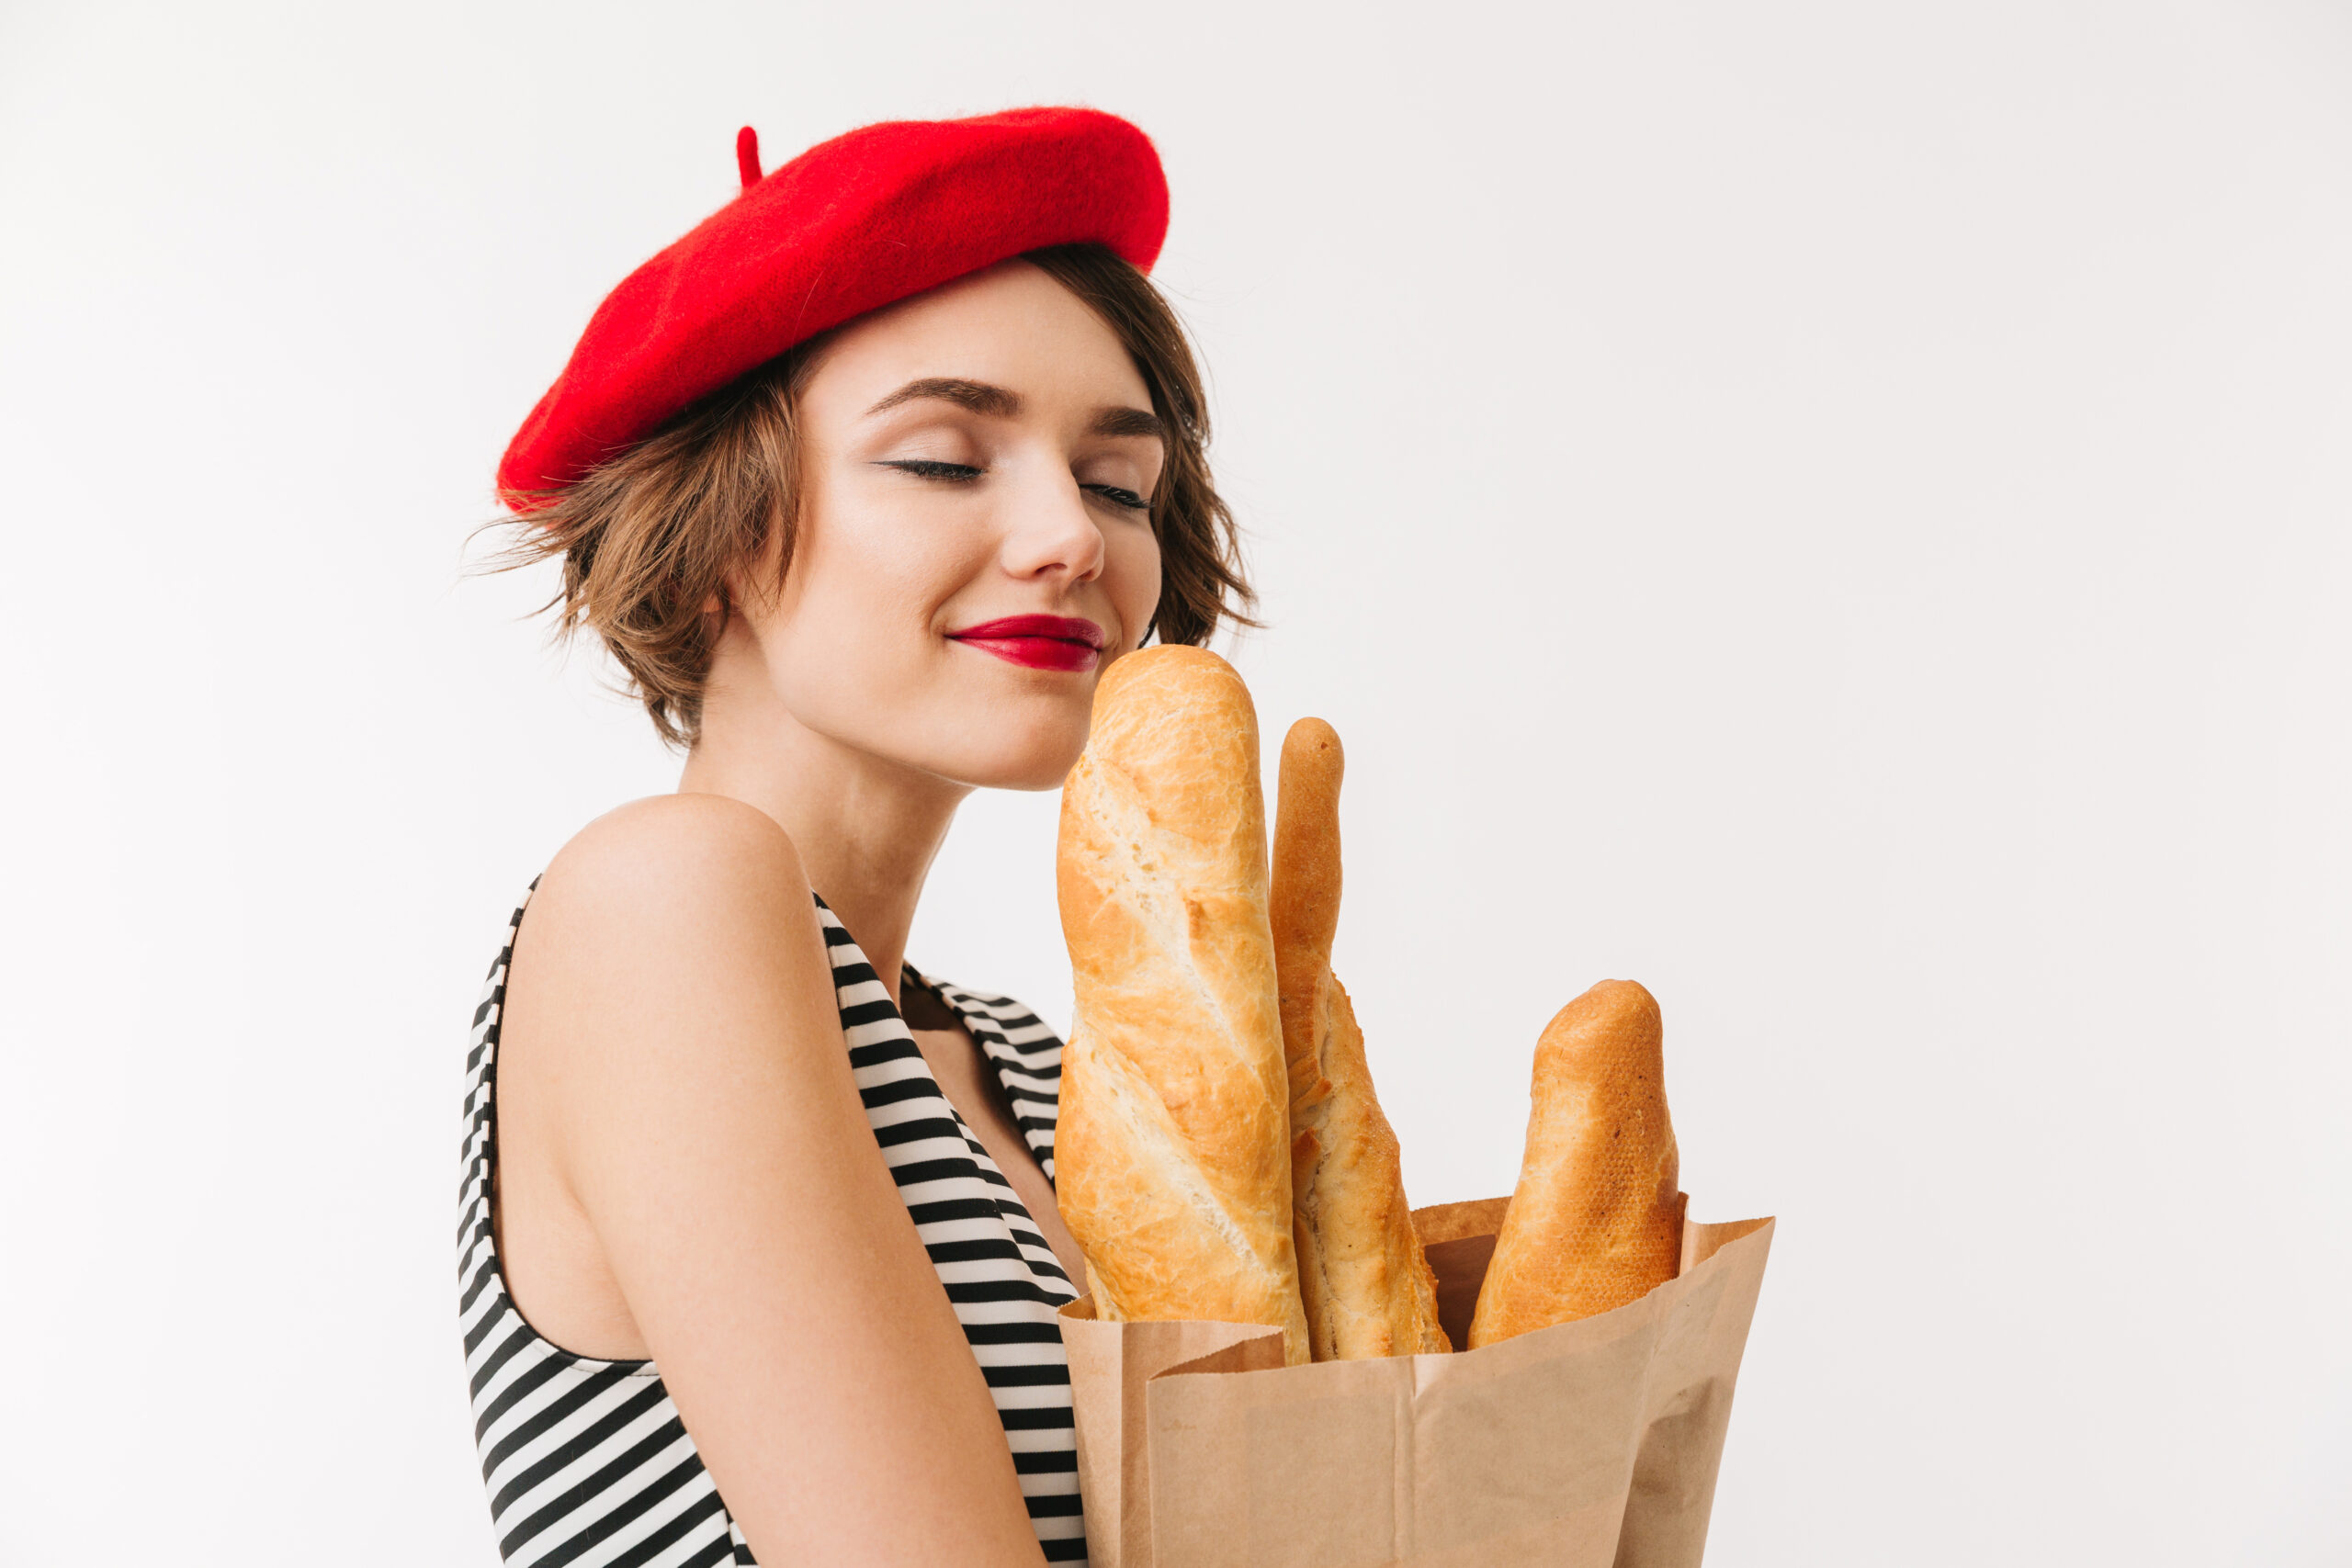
column 649, row 535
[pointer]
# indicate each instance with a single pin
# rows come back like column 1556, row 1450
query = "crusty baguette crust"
column 1596, row 1219
column 1365, row 1284
column 1173, row 1153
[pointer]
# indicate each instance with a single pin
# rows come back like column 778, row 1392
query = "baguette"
column 1364, row 1281
column 1596, row 1219
column 1173, row 1153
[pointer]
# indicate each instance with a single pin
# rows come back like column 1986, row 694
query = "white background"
column 1836, row 512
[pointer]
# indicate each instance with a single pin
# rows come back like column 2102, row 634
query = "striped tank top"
column 587, row 1461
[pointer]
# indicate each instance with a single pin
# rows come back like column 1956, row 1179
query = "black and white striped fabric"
column 587, row 1461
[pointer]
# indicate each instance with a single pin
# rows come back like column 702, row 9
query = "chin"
column 1034, row 751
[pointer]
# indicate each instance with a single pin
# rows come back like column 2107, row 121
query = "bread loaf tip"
column 1595, row 1221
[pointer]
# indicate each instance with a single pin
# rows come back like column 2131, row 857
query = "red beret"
column 849, row 226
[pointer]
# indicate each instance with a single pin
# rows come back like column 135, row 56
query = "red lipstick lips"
column 1037, row 642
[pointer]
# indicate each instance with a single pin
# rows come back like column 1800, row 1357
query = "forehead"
column 1009, row 325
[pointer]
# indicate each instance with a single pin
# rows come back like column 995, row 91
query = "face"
column 974, row 543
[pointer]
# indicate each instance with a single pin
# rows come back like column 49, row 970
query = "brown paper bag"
column 1587, row 1445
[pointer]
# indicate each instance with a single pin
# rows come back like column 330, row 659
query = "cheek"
column 1131, row 573
column 860, row 571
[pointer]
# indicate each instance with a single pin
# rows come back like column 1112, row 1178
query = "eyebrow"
column 1000, row 402
column 976, row 396
column 1129, row 422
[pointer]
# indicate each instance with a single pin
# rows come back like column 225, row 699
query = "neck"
column 866, row 827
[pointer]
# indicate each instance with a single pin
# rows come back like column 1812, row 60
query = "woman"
column 864, row 482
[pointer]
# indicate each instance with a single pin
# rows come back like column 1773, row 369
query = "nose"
column 1052, row 532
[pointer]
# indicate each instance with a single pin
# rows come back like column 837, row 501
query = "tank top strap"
column 1025, row 1052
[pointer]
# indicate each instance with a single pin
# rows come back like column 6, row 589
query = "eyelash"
column 926, row 469
column 964, row 473
column 1125, row 500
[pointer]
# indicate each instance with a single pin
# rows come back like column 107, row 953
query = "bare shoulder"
column 663, row 913
column 675, row 865
column 675, row 844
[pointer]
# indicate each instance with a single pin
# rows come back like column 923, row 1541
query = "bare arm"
column 707, row 1123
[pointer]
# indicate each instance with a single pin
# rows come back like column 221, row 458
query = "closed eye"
column 964, row 473
column 927, row 468
column 1118, row 496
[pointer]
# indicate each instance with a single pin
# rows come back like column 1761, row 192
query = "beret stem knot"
column 747, row 156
